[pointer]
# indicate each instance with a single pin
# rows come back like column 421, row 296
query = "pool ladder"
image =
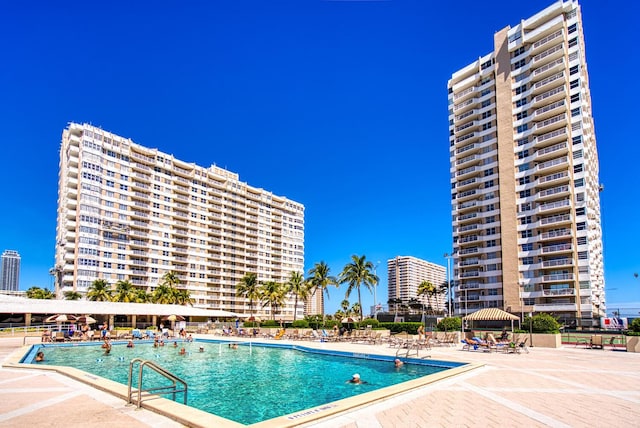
column 169, row 389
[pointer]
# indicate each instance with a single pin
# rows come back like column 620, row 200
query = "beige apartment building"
column 406, row 273
column 524, row 174
column 128, row 212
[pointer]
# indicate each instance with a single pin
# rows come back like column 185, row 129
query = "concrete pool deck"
column 566, row 387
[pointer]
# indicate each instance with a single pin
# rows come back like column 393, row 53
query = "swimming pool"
column 252, row 383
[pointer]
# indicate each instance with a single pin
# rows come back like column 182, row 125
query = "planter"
column 543, row 340
column 633, row 343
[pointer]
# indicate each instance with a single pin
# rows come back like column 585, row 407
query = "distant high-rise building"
column 524, row 174
column 10, row 271
column 406, row 273
column 128, row 212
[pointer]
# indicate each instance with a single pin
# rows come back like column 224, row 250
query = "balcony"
column 467, row 216
column 464, row 93
column 551, row 151
column 467, row 171
column 553, row 165
column 559, row 248
column 542, row 43
column 559, row 277
column 557, row 178
column 466, row 114
column 471, row 250
column 547, row 69
column 468, row 159
column 557, row 263
column 554, row 192
column 549, row 96
column 555, row 220
column 553, row 307
column 467, row 205
column 550, row 54
column 468, row 228
column 466, row 194
column 544, row 84
column 554, row 206
column 465, row 183
column 551, row 123
column 464, row 105
column 550, row 137
column 465, row 137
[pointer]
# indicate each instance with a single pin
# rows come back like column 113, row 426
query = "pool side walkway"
column 567, row 387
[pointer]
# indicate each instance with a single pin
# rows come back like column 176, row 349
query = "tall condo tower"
column 406, row 273
column 128, row 212
column 10, row 272
column 524, row 174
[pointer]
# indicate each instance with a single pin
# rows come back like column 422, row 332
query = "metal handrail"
column 172, row 389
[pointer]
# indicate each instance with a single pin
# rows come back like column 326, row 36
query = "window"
column 575, row 112
column 517, row 52
column 488, row 184
column 577, row 168
column 525, row 220
column 487, row 114
column 523, row 154
column 519, row 64
column 583, row 255
column 521, row 115
column 525, row 193
column 521, row 102
column 575, row 69
column 581, row 225
column 490, row 219
column 492, row 266
column 573, row 42
column 491, row 243
column 486, row 126
column 581, row 211
column 521, row 89
column 576, row 140
column 486, row 65
column 524, row 180
column 491, row 231
column 575, row 98
column 523, row 141
column 526, row 234
column 527, row 247
column 580, row 197
column 575, row 83
column 488, row 172
column 527, row 260
column 522, row 127
column 572, row 28
column 486, row 103
column 579, row 182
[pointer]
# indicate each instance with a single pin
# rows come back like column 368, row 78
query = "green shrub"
column 399, row 327
column 270, row 323
column 300, row 324
column 370, row 321
column 635, row 325
column 450, row 324
column 542, row 323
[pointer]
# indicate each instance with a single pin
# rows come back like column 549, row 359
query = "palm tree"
column 125, row 292
column 248, row 288
column 299, row 288
column 272, row 294
column 164, row 294
column 358, row 272
column 426, row 288
column 72, row 295
column 99, row 291
column 39, row 293
column 344, row 305
column 171, row 279
column 183, row 297
column 320, row 279
column 142, row 296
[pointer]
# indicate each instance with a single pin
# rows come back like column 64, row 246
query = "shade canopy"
column 491, row 314
column 349, row 320
column 173, row 318
column 86, row 319
column 61, row 318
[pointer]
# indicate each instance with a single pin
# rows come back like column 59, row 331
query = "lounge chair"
column 596, row 341
column 279, row 334
column 136, row 334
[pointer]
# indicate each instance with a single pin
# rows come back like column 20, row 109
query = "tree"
column 99, row 291
column 183, row 297
column 357, row 273
column 426, row 288
column 272, row 294
column 248, row 288
column 395, row 302
column 39, row 293
column 299, row 288
column 164, row 294
column 125, row 292
column 72, row 295
column 320, row 279
column 142, row 296
column 170, row 279
column 345, row 305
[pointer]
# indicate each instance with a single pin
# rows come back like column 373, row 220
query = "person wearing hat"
column 397, row 362
column 355, row 379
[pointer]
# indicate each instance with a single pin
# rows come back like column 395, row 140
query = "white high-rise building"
column 524, row 174
column 128, row 212
column 10, row 272
column 406, row 273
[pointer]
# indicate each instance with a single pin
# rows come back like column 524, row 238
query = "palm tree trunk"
column 295, row 307
column 360, row 303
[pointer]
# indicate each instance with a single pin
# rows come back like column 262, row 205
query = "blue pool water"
column 249, row 384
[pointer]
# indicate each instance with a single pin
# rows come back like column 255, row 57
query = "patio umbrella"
column 349, row 320
column 60, row 318
column 86, row 319
column 173, row 318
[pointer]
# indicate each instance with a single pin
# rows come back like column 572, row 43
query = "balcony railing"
column 559, row 292
column 553, row 205
column 549, row 93
column 465, row 92
column 554, row 263
column 552, row 177
column 555, row 248
column 548, row 52
column 547, row 39
column 552, row 163
column 555, row 219
column 549, row 135
column 558, row 277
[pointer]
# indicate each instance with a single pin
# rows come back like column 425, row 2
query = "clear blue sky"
column 340, row 105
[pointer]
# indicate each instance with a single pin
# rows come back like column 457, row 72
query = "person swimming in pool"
column 355, row 379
